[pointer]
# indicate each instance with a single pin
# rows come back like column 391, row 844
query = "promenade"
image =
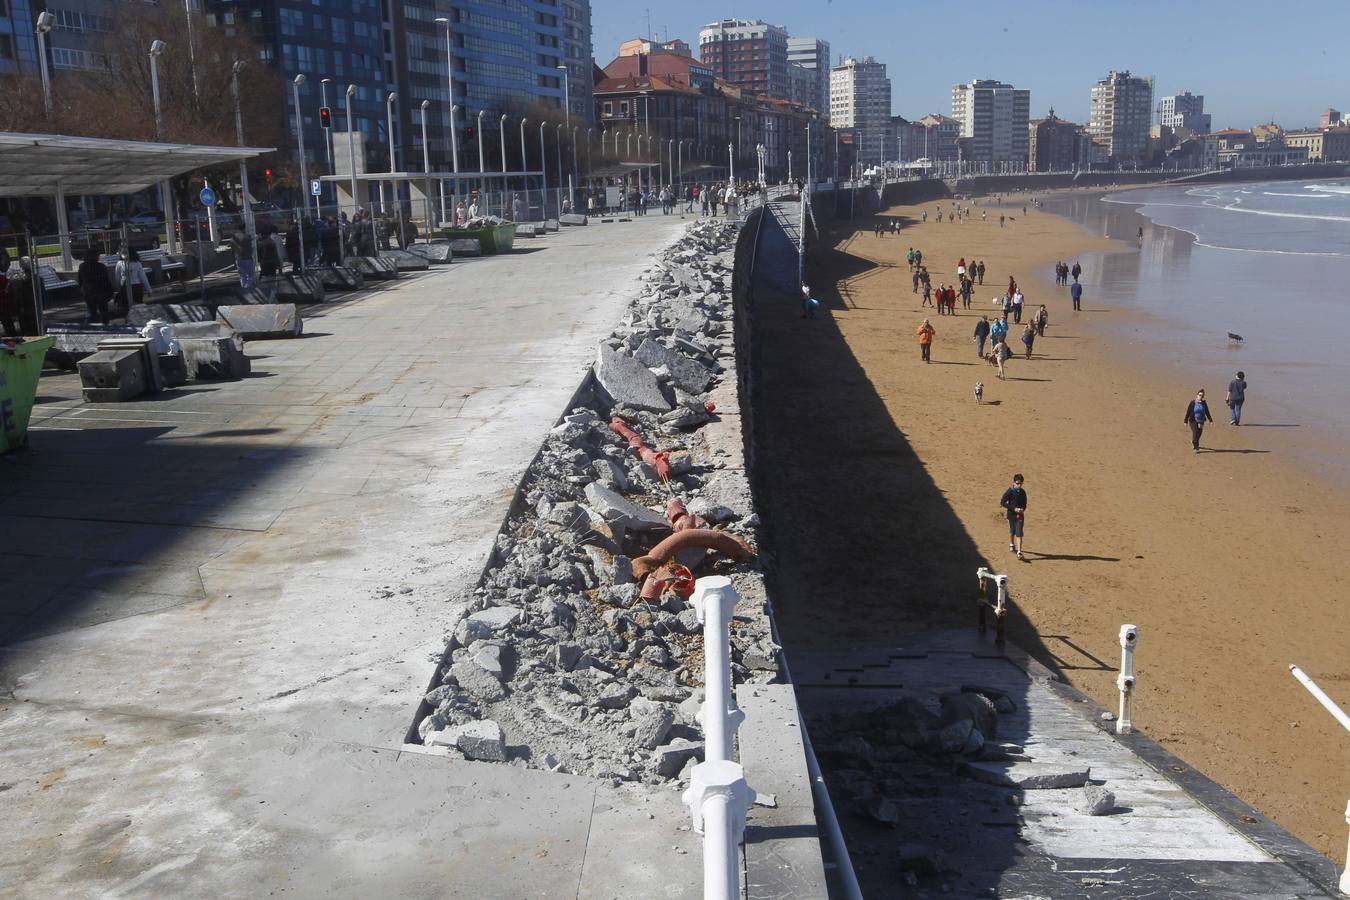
column 223, row 604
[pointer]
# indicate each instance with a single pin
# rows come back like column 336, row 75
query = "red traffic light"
column 267, row 173
column 468, row 132
column 325, row 117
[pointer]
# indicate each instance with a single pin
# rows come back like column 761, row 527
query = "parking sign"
column 314, row 187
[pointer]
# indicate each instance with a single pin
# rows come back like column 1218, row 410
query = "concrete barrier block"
column 572, row 219
column 262, row 322
column 406, row 262
column 466, row 247
column 374, row 268
column 340, row 278
column 142, row 313
column 112, row 376
column 306, row 288
column 436, row 253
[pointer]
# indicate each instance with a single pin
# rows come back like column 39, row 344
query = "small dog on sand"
column 979, row 392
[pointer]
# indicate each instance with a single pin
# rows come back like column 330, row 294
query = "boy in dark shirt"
column 1014, row 503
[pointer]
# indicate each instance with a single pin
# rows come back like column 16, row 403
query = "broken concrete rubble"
column 556, row 645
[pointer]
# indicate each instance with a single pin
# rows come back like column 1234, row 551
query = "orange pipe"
column 723, row 542
column 656, row 459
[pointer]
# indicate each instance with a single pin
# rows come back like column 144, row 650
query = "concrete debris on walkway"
column 560, row 650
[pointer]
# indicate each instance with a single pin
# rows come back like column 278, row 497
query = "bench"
column 154, row 261
column 51, row 281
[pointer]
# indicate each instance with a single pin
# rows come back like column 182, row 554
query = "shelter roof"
column 32, row 165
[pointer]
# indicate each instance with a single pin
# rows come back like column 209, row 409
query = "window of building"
column 6, row 43
column 623, row 107
column 609, row 108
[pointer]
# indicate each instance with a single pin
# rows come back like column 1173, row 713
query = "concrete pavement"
column 221, row 608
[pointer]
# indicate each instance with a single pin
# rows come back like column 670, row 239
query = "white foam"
column 1309, row 196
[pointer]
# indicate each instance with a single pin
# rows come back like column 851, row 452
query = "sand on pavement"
column 1229, row 561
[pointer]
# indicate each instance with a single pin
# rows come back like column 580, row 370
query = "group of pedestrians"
column 1197, row 410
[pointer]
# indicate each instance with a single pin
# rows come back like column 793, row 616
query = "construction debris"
column 586, row 661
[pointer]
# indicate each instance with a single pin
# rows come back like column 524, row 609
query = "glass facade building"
column 18, row 46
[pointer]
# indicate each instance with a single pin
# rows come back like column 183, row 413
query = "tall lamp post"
column 524, row 165
column 572, row 186
column 454, row 107
column 304, row 171
column 45, row 20
column 426, row 168
column 731, row 163
column 543, row 172
column 156, row 51
column 557, row 140
column 243, row 168
column 351, row 149
column 389, row 128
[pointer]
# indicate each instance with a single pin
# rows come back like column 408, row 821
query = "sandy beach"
column 1227, row 560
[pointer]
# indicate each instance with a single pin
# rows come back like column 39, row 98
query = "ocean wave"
column 1328, row 188
column 1310, row 196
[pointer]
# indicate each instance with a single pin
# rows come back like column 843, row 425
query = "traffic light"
column 468, row 133
column 267, row 173
column 325, row 117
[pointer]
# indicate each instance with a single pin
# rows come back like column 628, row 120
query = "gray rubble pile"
column 556, row 660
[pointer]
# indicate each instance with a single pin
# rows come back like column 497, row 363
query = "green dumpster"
column 494, row 239
column 20, row 368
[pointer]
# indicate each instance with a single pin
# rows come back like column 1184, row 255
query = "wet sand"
column 1227, row 560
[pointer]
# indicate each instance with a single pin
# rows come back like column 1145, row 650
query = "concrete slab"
column 234, row 595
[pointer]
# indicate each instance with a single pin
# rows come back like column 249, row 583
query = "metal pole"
column 482, row 160
column 543, row 171
column 304, row 171
column 243, row 168
column 389, row 127
column 192, row 57
column 165, row 198
column 327, row 132
column 351, row 154
column 1321, row 697
column 572, row 185
column 201, row 266
column 454, row 107
column 1129, row 640
column 558, row 141
column 524, row 166
column 44, row 25
column 426, row 169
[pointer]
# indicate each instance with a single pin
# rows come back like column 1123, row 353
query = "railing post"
column 714, row 600
column 718, row 799
column 1129, row 639
column 1340, row 716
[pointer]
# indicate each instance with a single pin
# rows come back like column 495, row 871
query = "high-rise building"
column 1054, row 145
column 18, row 49
column 1330, row 118
column 802, row 86
column 813, row 54
column 749, row 54
column 1120, row 113
column 1184, row 110
column 993, row 115
column 860, row 101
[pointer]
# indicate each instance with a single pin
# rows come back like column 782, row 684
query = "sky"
column 1253, row 60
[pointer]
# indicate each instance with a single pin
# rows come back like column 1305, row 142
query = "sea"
column 1251, row 277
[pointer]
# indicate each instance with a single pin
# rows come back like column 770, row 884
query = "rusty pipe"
column 723, row 542
column 657, row 460
column 680, row 518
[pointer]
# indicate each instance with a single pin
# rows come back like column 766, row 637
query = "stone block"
column 621, row 511
column 528, row 229
column 340, row 278
column 571, row 219
column 405, row 261
column 1029, row 776
column 477, row 682
column 1097, row 801
column 625, row 380
column 616, row 696
column 483, row 739
column 262, row 322
column 112, row 376
column 550, row 224
column 686, row 374
column 306, row 288
column 497, row 617
column 212, row 358
column 466, row 246
column 652, row 722
column 374, row 268
column 975, row 708
column 671, row 758
column 436, row 253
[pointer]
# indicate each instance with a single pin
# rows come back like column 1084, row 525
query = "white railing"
column 1339, row 715
column 718, row 796
column 1129, row 639
column 989, row 582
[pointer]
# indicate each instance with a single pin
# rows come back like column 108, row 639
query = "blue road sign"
column 314, row 187
column 207, row 196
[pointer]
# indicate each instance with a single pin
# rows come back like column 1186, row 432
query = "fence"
column 1340, row 716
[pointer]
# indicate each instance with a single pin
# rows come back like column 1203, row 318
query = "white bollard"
column 718, row 799
column 714, row 600
column 1345, row 876
column 1129, row 639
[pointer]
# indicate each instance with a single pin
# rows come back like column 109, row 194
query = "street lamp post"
column 165, row 200
column 670, row 162
column 426, row 168
column 731, row 163
column 454, row 107
column 351, row 150
column 589, row 179
column 482, row 160
column 557, row 140
column 45, row 20
column 524, row 165
column 389, row 128
column 304, row 171
column 572, row 186
column 543, row 173
column 243, row 168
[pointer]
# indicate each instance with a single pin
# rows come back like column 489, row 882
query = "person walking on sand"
column 1042, row 319
column 1028, row 338
column 1000, row 220
column 980, row 269
column 1076, row 270
column 1237, row 395
column 999, row 330
column 1197, row 414
column 981, row 335
column 1014, row 503
column 927, row 294
column 916, row 281
column 1017, row 301
column 918, row 258
column 941, row 299
column 999, row 357
column 965, row 293
column 1076, row 294
column 909, row 258
column 925, row 334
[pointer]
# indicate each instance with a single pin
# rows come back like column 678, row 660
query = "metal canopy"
column 37, row 165
column 423, row 176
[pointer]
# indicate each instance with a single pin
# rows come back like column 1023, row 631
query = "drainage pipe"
column 723, row 542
